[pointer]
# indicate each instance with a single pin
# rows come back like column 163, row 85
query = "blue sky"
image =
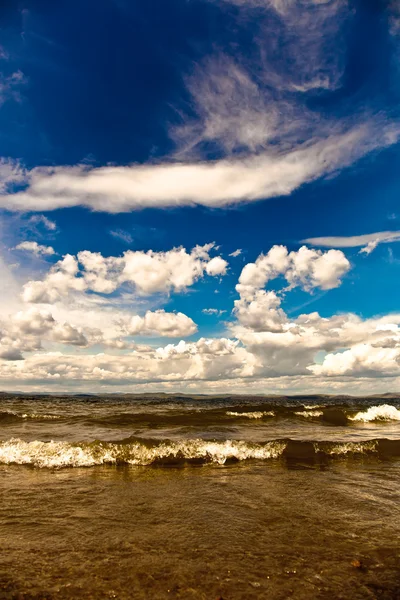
column 131, row 129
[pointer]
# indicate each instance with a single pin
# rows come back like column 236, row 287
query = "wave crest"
column 251, row 415
column 385, row 412
column 64, row 454
column 9, row 416
column 309, row 413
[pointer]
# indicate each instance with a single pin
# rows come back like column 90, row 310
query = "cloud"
column 42, row 220
column 394, row 17
column 3, row 54
column 146, row 272
column 249, row 107
column 10, row 85
column 161, row 323
column 262, row 342
column 362, row 360
column 370, row 247
column 370, row 240
column 216, row 266
column 122, row 235
column 25, row 330
column 236, row 253
column 35, row 248
column 305, row 268
column 213, row 311
column 261, row 312
column 213, row 184
column 245, row 97
column 11, row 173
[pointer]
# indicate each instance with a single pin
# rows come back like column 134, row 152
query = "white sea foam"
column 39, row 416
column 63, row 454
column 251, row 415
column 43, row 417
column 309, row 413
column 386, row 412
column 350, row 448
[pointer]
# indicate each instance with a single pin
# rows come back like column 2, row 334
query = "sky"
column 200, row 196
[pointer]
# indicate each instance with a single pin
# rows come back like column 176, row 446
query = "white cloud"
column 212, row 184
column 11, row 173
column 147, row 272
column 161, row 323
column 236, row 253
column 24, row 331
column 263, row 346
column 216, row 266
column 122, row 235
column 213, row 311
column 362, row 360
column 261, row 312
column 251, row 106
column 370, row 247
column 305, row 268
column 42, row 220
column 370, row 240
column 35, row 248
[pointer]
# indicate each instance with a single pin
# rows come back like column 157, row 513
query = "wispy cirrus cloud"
column 251, row 132
column 213, row 184
column 123, row 236
column 369, row 241
column 10, row 86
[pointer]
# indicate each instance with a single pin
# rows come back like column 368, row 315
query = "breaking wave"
column 169, row 453
column 385, row 412
column 9, row 416
column 251, row 415
column 309, row 413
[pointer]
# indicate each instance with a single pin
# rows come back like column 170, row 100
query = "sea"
column 163, row 496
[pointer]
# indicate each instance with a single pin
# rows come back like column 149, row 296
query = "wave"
column 309, row 413
column 332, row 415
column 251, row 415
column 169, row 453
column 9, row 416
column 385, row 412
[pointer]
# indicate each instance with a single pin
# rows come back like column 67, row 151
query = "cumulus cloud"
column 24, row 331
column 216, row 266
column 263, row 343
column 147, row 272
column 362, row 360
column 266, row 356
column 161, row 323
column 36, row 249
column 306, row 268
column 260, row 312
column 369, row 241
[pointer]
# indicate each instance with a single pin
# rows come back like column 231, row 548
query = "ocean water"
column 199, row 497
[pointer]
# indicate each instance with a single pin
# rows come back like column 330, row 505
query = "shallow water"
column 284, row 526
